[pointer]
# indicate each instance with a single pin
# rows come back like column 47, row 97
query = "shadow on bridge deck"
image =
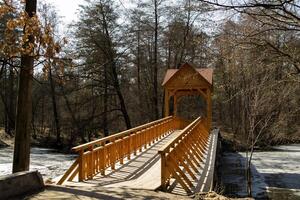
column 66, row 193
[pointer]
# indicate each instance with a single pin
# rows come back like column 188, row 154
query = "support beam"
column 202, row 93
column 167, row 101
column 209, row 108
column 175, row 105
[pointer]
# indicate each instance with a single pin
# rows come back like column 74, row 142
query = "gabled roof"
column 206, row 73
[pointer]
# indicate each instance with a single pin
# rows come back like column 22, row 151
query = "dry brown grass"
column 215, row 196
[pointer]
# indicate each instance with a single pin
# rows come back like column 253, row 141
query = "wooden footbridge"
column 171, row 154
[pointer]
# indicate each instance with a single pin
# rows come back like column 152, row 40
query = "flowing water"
column 48, row 162
column 275, row 174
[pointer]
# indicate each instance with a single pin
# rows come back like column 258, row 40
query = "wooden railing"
column 96, row 156
column 183, row 155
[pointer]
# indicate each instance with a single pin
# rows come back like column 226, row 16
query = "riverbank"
column 49, row 162
column 234, row 143
column 40, row 142
column 273, row 173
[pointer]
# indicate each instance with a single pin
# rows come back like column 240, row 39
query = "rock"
column 20, row 183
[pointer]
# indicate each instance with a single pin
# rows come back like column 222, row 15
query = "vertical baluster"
column 150, row 134
column 97, row 161
column 84, row 167
column 134, row 143
column 117, row 148
column 113, row 154
column 103, row 160
column 128, row 147
column 141, row 140
column 121, row 151
column 92, row 162
column 146, row 138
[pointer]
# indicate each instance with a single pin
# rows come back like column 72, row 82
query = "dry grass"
column 215, row 196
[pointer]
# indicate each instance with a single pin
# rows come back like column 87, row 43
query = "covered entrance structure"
column 187, row 81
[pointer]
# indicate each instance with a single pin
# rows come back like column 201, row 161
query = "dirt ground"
column 57, row 192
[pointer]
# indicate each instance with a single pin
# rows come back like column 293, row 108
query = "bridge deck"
column 143, row 171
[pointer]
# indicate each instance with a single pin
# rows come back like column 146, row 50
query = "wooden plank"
column 173, row 164
column 178, row 178
column 75, row 172
column 65, row 176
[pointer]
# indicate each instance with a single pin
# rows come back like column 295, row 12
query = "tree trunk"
column 7, row 98
column 116, row 84
column 55, row 108
column 120, row 96
column 4, row 97
column 186, row 33
column 139, row 62
column 11, row 107
column 155, row 89
column 169, row 52
column 105, row 103
column 23, row 118
column 249, row 180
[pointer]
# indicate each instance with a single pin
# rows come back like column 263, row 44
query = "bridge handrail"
column 167, row 147
column 96, row 156
column 118, row 135
column 184, row 154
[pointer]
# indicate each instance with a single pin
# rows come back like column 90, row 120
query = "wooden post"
column 167, row 100
column 134, row 143
column 92, row 167
column 175, row 105
column 209, row 109
column 163, row 170
column 113, row 154
column 81, row 166
column 103, row 160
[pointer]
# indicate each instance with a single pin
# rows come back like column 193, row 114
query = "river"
column 48, row 162
column 276, row 173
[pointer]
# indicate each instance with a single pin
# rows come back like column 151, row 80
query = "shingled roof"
column 206, row 73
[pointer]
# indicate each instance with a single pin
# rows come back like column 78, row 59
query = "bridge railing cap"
column 118, row 135
column 167, row 146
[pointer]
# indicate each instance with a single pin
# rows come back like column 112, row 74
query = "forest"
column 66, row 84
column 105, row 75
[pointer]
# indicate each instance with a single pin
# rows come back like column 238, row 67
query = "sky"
column 67, row 9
